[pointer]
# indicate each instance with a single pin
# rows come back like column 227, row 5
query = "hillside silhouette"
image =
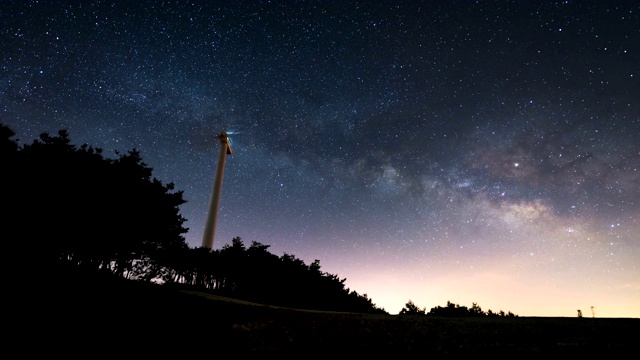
column 91, row 314
column 73, row 207
column 101, row 264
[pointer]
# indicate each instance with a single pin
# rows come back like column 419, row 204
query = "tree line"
column 69, row 207
column 452, row 310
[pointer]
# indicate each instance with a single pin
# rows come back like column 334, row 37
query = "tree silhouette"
column 71, row 208
column 411, row 309
column 255, row 274
column 452, row 310
column 71, row 205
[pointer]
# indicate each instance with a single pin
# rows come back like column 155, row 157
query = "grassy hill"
column 115, row 317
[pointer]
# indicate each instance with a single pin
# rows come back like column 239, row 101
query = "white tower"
column 214, row 203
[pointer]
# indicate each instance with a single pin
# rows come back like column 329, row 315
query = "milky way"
column 429, row 151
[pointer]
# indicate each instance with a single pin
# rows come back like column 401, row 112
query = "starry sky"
column 430, row 151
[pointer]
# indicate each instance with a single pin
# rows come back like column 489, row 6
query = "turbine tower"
column 214, row 203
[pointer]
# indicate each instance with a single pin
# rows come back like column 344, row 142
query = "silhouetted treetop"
column 451, row 310
column 71, row 204
column 411, row 309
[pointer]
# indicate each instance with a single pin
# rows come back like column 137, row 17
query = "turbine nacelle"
column 224, row 139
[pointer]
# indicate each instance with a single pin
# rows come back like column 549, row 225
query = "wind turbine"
column 214, row 202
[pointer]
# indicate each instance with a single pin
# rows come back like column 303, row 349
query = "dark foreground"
column 127, row 319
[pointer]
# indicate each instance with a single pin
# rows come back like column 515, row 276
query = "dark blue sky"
column 424, row 150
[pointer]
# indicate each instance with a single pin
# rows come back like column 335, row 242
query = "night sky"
column 430, row 151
